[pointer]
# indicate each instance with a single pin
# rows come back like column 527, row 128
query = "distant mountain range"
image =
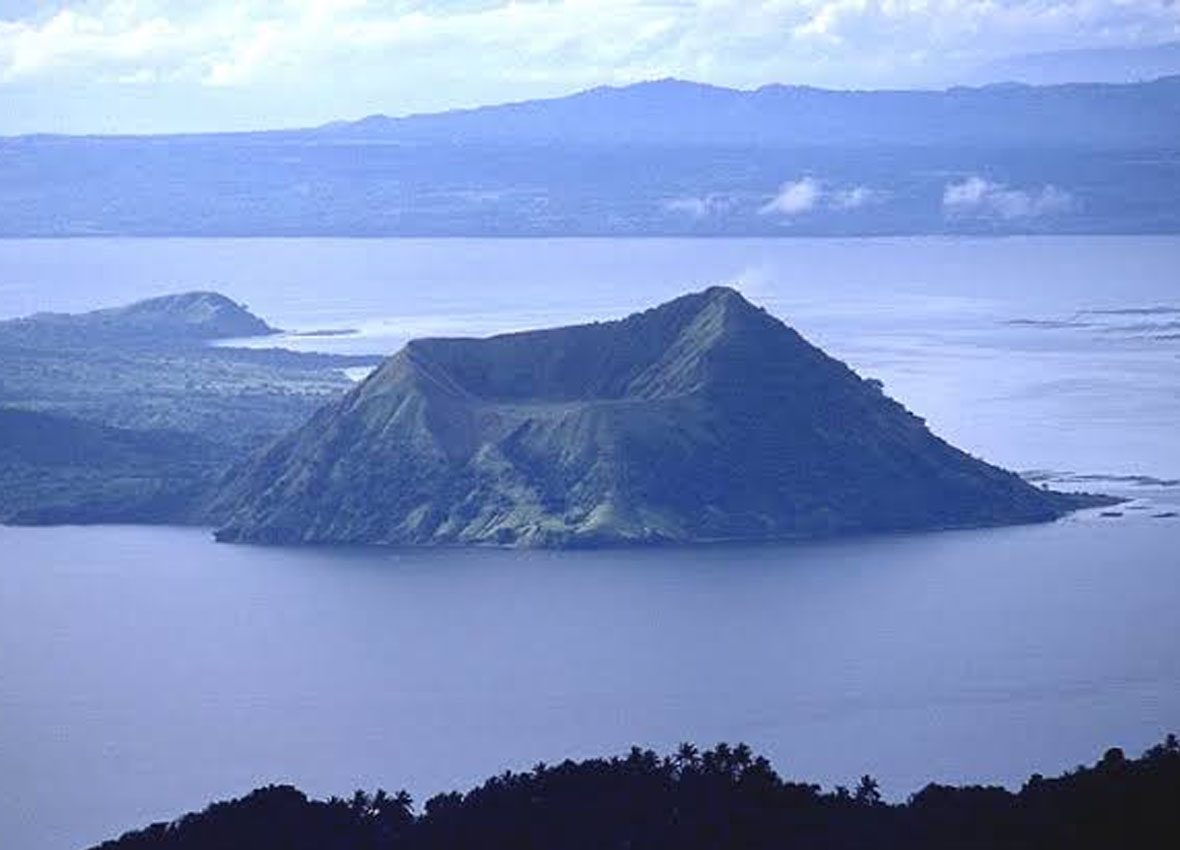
column 1101, row 65
column 660, row 158
column 702, row 419
column 678, row 113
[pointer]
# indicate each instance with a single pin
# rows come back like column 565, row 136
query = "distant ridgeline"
column 721, row 799
column 129, row 415
column 658, row 158
column 700, row 420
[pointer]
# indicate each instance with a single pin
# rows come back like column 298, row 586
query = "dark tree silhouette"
column 725, row 798
column 868, row 791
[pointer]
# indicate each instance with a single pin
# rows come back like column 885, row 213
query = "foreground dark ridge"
column 723, row 798
column 703, row 419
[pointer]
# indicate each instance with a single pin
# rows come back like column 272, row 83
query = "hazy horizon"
column 158, row 66
column 563, row 95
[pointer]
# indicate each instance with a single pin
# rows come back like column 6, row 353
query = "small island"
column 703, row 419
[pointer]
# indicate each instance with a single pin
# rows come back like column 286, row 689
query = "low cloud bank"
column 970, row 197
column 794, row 197
column 800, row 196
column 976, row 196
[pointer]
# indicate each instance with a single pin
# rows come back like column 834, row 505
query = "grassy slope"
column 702, row 419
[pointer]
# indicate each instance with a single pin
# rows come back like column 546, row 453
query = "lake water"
column 146, row 671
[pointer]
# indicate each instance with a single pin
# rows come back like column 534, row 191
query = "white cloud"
column 138, row 77
column 793, row 198
column 806, row 194
column 968, row 193
column 404, row 55
column 976, row 196
column 76, row 39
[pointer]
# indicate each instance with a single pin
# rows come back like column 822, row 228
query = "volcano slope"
column 699, row 420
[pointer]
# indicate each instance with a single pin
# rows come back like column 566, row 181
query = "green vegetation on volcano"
column 703, row 419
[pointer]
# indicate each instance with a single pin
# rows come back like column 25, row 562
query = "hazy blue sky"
column 158, row 65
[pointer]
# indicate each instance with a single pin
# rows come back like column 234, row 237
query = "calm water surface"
column 146, row 671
